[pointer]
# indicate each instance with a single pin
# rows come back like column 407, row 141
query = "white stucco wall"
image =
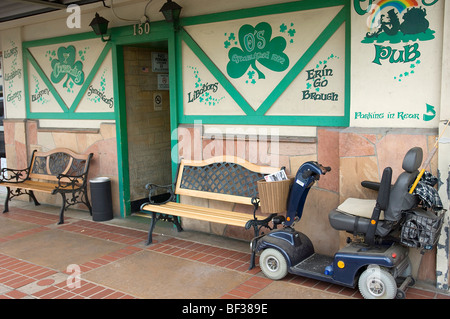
column 395, row 81
column 13, row 75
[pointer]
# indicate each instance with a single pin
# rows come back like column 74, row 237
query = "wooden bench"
column 227, row 179
column 59, row 171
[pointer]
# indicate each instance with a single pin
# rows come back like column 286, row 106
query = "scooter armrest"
column 371, row 185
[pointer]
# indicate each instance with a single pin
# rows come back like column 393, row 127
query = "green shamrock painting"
column 256, row 45
column 65, row 65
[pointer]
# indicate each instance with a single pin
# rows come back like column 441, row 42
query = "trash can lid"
column 99, row 180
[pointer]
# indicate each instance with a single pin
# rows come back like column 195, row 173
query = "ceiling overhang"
column 18, row 9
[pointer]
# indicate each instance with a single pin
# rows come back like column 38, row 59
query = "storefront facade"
column 351, row 84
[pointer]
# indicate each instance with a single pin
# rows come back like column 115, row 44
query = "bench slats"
column 202, row 213
column 215, row 196
column 32, row 185
column 204, row 217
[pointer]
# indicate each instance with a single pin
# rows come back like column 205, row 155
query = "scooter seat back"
column 400, row 199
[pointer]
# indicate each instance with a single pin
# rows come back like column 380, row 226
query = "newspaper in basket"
column 273, row 192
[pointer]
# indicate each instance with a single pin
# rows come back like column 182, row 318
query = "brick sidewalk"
column 24, row 279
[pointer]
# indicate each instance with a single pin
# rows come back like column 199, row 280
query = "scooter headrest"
column 413, row 159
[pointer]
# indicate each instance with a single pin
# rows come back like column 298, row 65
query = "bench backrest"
column 225, row 178
column 48, row 165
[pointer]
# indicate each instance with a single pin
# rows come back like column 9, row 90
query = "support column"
column 442, row 256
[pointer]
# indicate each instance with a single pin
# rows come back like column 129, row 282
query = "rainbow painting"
column 400, row 5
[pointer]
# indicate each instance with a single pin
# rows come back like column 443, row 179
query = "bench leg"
column 88, row 204
column 257, row 225
column 253, row 255
column 177, row 223
column 150, row 231
column 18, row 192
column 84, row 199
column 36, row 203
column 6, row 206
column 252, row 261
column 63, row 208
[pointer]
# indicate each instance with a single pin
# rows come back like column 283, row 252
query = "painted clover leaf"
column 65, row 65
column 256, row 45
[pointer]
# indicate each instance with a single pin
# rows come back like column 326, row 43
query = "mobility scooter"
column 376, row 260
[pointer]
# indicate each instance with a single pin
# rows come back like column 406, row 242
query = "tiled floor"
column 92, row 260
column 22, row 279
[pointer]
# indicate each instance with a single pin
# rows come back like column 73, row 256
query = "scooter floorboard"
column 313, row 266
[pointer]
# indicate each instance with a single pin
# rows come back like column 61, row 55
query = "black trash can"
column 101, row 199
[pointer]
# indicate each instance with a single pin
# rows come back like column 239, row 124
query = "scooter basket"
column 421, row 229
column 274, row 195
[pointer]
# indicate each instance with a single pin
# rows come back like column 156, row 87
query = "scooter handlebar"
column 325, row 169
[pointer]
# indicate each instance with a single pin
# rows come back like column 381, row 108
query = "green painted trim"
column 72, row 116
column 121, row 131
column 29, row 57
column 222, row 79
column 67, row 112
column 90, row 77
column 179, row 78
column 62, row 39
column 159, row 31
column 348, row 55
column 258, row 117
column 26, row 91
column 124, row 36
column 309, row 54
column 173, row 85
column 261, row 11
column 268, row 120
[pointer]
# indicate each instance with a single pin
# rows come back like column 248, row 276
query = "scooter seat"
column 359, row 207
column 355, row 224
column 355, row 215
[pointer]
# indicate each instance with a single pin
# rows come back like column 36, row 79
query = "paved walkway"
column 108, row 260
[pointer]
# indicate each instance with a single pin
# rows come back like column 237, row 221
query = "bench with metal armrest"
column 227, row 179
column 59, row 171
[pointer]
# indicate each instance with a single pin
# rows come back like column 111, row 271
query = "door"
column 148, row 118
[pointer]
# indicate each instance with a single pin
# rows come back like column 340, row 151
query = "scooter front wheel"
column 377, row 283
column 273, row 264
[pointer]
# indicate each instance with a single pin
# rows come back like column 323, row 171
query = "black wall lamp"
column 171, row 11
column 100, row 26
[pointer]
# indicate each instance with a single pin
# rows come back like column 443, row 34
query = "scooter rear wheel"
column 273, row 264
